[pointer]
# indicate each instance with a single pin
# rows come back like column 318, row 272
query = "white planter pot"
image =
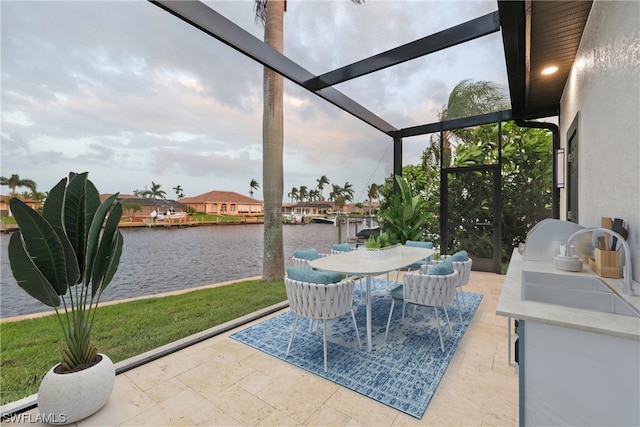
column 380, row 253
column 67, row 398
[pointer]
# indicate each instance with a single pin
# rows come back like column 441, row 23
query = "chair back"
column 430, row 290
column 318, row 301
column 339, row 248
column 301, row 263
column 464, row 270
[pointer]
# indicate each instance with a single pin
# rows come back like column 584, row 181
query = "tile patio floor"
column 221, row 382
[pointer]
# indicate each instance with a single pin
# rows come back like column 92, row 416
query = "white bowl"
column 568, row 263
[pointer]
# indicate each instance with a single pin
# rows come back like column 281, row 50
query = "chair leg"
column 324, row 339
column 462, row 293
column 393, row 302
column 293, row 331
column 458, row 303
column 439, row 333
column 447, row 314
column 353, row 317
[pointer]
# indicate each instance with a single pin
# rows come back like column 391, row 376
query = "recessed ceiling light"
column 550, row 70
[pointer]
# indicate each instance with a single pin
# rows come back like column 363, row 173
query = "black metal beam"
column 212, row 23
column 464, row 122
column 513, row 20
column 479, row 27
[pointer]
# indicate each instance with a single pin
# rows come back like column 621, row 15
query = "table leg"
column 368, row 313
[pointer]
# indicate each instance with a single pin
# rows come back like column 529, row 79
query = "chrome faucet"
column 627, row 275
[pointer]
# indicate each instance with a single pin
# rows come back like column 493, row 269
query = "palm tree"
column 467, row 99
column 253, row 185
column 322, row 181
column 293, row 194
column 179, row 191
column 14, row 181
column 314, row 195
column 303, row 193
column 373, row 192
column 347, row 192
column 270, row 13
column 156, row 192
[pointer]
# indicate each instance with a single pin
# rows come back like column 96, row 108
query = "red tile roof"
column 220, row 197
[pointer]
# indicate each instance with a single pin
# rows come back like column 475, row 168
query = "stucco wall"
column 604, row 86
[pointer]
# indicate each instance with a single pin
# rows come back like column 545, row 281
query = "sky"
column 133, row 95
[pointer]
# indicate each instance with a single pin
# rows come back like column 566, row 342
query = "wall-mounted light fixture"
column 549, row 70
column 560, row 168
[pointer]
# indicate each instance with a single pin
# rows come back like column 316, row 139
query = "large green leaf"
column 93, row 233
column 105, row 252
column 74, row 215
column 43, row 245
column 114, row 261
column 28, row 275
column 52, row 209
column 52, row 212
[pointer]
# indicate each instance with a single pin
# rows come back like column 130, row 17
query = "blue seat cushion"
column 417, row 265
column 397, row 293
column 461, row 256
column 308, row 254
column 415, row 244
column 442, row 269
column 313, row 276
column 342, row 247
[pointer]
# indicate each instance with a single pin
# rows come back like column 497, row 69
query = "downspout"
column 555, row 203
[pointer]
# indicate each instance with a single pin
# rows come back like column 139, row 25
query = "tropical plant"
column 404, row 218
column 132, row 208
column 15, row 181
column 293, row 194
column 155, row 191
column 179, row 191
column 379, row 241
column 322, row 181
column 65, row 258
column 314, row 195
column 253, row 185
column 270, row 14
column 303, row 193
column 373, row 192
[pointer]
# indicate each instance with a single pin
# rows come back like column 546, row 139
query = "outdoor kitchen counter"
column 511, row 304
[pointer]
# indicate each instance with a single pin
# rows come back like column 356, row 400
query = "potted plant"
column 404, row 219
column 65, row 258
column 379, row 246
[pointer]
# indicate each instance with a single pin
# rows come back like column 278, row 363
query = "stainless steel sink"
column 588, row 293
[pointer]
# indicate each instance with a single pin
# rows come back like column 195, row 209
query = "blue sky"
column 132, row 94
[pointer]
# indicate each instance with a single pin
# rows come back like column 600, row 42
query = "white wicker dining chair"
column 464, row 272
column 302, row 258
column 317, row 301
column 426, row 290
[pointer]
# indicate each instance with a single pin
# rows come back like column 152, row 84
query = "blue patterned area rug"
column 402, row 372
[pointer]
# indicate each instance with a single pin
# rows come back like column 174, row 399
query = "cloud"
column 133, row 94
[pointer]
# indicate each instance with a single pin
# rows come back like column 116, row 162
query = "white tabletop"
column 354, row 262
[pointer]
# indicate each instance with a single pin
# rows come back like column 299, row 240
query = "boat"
column 324, row 220
column 171, row 215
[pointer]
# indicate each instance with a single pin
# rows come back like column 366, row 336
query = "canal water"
column 161, row 260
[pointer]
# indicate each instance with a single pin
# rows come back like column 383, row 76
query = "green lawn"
column 29, row 348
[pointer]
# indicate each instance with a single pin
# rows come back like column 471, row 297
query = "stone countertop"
column 511, row 304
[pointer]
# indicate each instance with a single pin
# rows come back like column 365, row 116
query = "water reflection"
column 161, row 260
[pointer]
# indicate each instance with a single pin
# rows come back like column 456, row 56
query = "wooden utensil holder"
column 606, row 263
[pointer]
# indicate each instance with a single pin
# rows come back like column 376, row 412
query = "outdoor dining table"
column 357, row 263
